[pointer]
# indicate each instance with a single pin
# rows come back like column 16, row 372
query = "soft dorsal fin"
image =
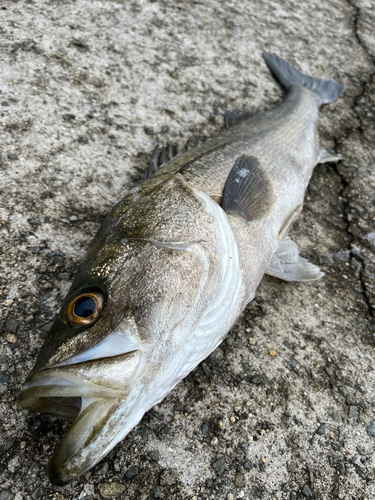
column 287, row 264
column 248, row 191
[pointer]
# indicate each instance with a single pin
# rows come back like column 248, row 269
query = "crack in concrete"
column 356, row 30
column 362, row 278
column 355, row 255
column 355, row 22
column 370, row 76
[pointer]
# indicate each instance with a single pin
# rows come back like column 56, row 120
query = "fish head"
column 125, row 333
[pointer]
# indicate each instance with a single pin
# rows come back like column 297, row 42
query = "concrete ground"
column 285, row 407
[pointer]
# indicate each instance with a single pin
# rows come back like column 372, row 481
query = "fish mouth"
column 98, row 395
column 64, row 390
column 59, row 397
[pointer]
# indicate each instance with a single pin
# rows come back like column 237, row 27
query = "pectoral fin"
column 287, row 264
column 248, row 191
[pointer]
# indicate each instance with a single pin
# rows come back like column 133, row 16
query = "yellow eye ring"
column 85, row 308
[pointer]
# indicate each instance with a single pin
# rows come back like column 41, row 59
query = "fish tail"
column 326, row 90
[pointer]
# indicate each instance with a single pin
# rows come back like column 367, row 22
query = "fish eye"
column 85, row 308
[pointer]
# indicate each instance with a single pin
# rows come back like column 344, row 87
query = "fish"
column 173, row 266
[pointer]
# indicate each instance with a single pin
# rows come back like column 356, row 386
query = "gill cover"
column 163, row 287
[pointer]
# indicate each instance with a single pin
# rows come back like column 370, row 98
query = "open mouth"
column 58, row 396
column 67, row 389
column 97, row 394
column 59, row 407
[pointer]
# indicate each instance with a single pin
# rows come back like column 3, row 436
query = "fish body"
column 171, row 269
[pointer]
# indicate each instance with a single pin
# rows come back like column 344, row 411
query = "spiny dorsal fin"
column 233, row 117
column 287, row 264
column 162, row 155
column 248, row 191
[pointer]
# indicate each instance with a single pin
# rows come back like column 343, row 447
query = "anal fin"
column 248, row 191
column 287, row 264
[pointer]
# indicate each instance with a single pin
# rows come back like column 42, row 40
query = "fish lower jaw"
column 100, row 414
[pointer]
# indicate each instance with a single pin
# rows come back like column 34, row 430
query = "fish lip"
column 63, row 391
column 115, row 344
column 57, row 476
column 56, row 383
column 55, row 398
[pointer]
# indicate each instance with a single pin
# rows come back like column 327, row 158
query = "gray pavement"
column 284, row 408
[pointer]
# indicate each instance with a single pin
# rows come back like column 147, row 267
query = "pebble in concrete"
column 168, row 478
column 306, row 491
column 321, row 429
column 131, row 472
column 371, row 429
column 101, row 469
column 239, row 481
column 219, row 466
column 154, row 455
column 108, row 490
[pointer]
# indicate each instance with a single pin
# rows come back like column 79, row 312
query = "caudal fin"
column 327, row 90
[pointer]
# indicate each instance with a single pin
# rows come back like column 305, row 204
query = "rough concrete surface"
column 285, row 407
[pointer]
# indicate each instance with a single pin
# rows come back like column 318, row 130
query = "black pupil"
column 84, row 307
